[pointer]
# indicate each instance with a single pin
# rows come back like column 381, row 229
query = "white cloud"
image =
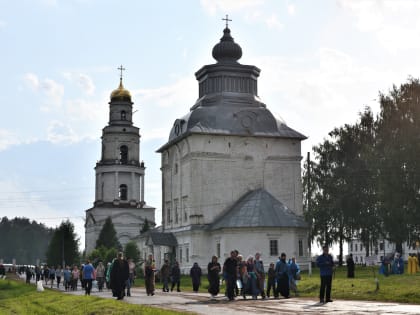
column 32, row 81
column 291, row 9
column 215, row 6
column 84, row 81
column 274, row 23
column 84, row 110
column 59, row 132
column 167, row 103
column 394, row 24
column 7, row 139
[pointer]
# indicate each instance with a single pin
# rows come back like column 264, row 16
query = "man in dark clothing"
column 350, row 266
column 230, row 270
column 326, row 264
column 119, row 276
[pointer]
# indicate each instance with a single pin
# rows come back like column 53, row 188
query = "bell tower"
column 119, row 184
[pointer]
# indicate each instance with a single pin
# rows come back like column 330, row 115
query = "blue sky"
column 321, row 63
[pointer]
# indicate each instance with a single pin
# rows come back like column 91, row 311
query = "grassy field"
column 394, row 288
column 17, row 297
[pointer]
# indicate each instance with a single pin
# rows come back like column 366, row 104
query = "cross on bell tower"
column 121, row 68
column 227, row 20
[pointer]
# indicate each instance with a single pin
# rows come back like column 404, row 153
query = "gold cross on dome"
column 121, row 68
column 227, row 20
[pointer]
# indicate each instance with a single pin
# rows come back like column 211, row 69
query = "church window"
column 123, row 115
column 361, row 247
column 355, row 247
column 357, row 259
column 274, row 249
column 187, row 254
column 123, row 192
column 180, row 254
column 381, row 246
column 218, row 250
column 176, row 168
column 300, row 248
column 351, row 247
column 361, row 259
column 176, row 215
column 168, row 215
column 124, row 154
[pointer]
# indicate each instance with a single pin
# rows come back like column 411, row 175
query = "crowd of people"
column 242, row 277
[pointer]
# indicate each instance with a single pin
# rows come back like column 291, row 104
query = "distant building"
column 231, row 173
column 382, row 248
column 119, row 186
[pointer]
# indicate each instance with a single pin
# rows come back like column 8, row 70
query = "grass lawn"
column 394, row 288
column 17, row 297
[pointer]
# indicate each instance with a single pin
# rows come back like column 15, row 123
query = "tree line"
column 364, row 180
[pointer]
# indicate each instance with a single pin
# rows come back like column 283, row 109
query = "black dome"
column 227, row 50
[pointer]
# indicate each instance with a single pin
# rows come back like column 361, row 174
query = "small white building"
column 382, row 248
column 231, row 173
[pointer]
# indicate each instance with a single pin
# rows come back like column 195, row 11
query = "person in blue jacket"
column 326, row 264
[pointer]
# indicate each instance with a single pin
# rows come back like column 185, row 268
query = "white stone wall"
column 127, row 223
column 212, row 172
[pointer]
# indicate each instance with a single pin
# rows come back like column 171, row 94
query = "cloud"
column 53, row 91
column 84, row 81
column 31, row 80
column 59, row 132
column 214, row 6
column 274, row 23
column 166, row 102
column 7, row 139
column 394, row 24
column 291, row 9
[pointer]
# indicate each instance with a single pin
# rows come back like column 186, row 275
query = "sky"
column 322, row 62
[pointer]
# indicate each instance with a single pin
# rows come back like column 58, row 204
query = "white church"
column 231, row 173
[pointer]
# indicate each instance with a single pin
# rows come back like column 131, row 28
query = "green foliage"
column 19, row 298
column 24, row 240
column 365, row 178
column 145, row 227
column 63, row 246
column 102, row 254
column 132, row 251
column 108, row 236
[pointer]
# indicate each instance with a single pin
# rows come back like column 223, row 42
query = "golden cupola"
column 121, row 94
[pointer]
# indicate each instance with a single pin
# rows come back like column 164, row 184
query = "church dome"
column 120, row 94
column 227, row 50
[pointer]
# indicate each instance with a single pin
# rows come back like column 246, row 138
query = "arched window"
column 123, row 192
column 124, row 154
column 123, row 115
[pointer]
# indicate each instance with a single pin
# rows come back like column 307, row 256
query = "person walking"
column 119, row 276
column 259, row 269
column 282, row 272
column 213, row 271
column 176, row 277
column 195, row 274
column 271, row 280
column 58, row 275
column 294, row 275
column 350, row 266
column 88, row 276
column 164, row 275
column 230, row 273
column 149, row 275
column 326, row 264
column 100, row 275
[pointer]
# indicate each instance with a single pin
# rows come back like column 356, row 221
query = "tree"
column 64, row 246
column 108, row 236
column 24, row 240
column 145, row 227
column 132, row 251
column 398, row 149
column 102, row 254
